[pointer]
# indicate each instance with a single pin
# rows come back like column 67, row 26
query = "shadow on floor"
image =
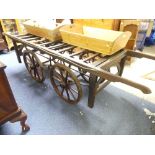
column 115, row 111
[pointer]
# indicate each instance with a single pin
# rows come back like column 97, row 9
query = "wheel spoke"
column 33, row 60
column 74, row 90
column 57, row 77
column 62, row 90
column 28, row 60
column 72, row 94
column 37, row 73
column 30, row 57
column 58, row 80
column 65, row 83
column 58, row 85
column 66, row 77
column 32, row 72
column 61, row 72
column 67, row 94
column 70, row 82
column 32, row 64
column 56, row 74
column 29, row 63
column 78, row 75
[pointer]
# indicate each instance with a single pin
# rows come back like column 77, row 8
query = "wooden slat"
column 30, row 39
column 46, row 43
column 22, row 35
column 29, row 36
column 66, row 49
column 113, row 58
column 57, row 46
column 91, row 57
column 76, row 53
column 40, row 40
column 99, row 61
column 60, row 47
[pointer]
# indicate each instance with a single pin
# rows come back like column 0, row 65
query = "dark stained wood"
column 92, row 90
column 66, row 49
column 65, row 83
column 77, row 53
column 9, row 110
column 90, row 68
column 33, row 66
column 57, row 46
column 91, row 57
column 18, row 53
column 97, row 68
column 140, row 55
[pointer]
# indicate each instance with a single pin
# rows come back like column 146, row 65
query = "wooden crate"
column 34, row 28
column 110, row 24
column 100, row 40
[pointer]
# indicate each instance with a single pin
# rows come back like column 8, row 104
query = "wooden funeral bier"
column 95, row 39
column 50, row 31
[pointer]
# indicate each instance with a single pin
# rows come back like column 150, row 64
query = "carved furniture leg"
column 22, row 117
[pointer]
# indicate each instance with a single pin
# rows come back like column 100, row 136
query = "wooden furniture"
column 70, row 66
column 9, row 110
column 110, row 24
column 133, row 27
column 11, row 25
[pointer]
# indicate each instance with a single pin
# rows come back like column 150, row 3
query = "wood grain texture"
column 9, row 110
column 95, row 39
column 7, row 101
column 52, row 33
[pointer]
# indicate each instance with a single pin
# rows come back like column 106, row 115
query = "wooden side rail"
column 115, row 78
column 140, row 55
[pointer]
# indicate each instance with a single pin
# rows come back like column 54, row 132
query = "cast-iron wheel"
column 33, row 66
column 65, row 83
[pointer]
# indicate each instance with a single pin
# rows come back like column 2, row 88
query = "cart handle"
column 116, row 78
column 140, row 55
